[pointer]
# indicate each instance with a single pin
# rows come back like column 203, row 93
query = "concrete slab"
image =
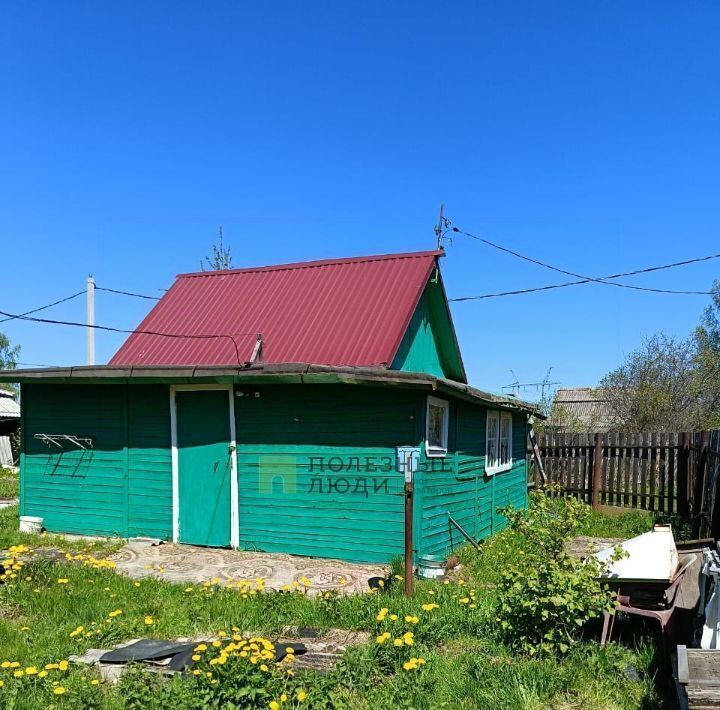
column 186, row 563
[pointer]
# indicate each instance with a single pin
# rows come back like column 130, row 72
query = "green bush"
column 545, row 596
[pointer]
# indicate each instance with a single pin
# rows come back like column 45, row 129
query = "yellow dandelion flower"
column 301, row 695
column 63, row 665
column 31, row 670
column 274, row 705
column 63, row 581
column 42, row 674
column 149, row 621
column 18, row 673
column 94, row 681
column 59, row 690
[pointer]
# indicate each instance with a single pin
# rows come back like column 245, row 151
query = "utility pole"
column 90, row 320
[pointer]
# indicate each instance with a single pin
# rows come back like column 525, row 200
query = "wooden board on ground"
column 698, row 676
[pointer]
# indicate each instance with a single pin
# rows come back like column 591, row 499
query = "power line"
column 127, row 293
column 111, row 329
column 583, row 279
column 42, row 308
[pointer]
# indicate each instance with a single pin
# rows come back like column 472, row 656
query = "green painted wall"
column 458, row 485
column 429, row 344
column 315, row 467
column 310, row 468
column 120, row 487
column 419, row 351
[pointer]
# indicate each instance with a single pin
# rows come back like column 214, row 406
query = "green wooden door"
column 204, row 467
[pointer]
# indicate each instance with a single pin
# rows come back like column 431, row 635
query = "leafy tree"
column 9, row 355
column 657, row 388
column 220, row 258
column 707, row 343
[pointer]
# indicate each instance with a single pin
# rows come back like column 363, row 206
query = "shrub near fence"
column 673, row 473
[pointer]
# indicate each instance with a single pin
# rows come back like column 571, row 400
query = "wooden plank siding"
column 122, row 486
column 460, row 487
column 317, row 471
column 328, row 449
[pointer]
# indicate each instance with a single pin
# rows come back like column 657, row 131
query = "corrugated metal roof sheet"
column 333, row 312
column 587, row 407
column 9, row 408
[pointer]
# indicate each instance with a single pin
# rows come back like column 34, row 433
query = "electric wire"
column 111, row 329
column 127, row 293
column 606, row 280
column 42, row 308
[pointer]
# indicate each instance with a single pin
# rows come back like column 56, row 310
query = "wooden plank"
column 662, row 477
column 672, row 474
column 652, row 461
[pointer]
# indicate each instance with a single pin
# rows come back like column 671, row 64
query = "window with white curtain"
column 436, row 434
column 498, row 442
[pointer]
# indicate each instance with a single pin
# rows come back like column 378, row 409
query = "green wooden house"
column 275, row 409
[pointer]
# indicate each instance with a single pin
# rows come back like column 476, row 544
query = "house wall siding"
column 316, row 467
column 418, row 351
column 293, row 441
column 457, row 484
column 122, row 486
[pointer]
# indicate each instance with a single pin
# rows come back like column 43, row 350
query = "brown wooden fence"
column 673, row 473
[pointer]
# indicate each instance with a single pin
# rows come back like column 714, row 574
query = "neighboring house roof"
column 338, row 312
column 9, row 408
column 582, row 407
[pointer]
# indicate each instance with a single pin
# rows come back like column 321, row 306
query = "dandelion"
column 411, row 619
column 274, row 705
column 42, row 674
column 464, row 600
column 149, row 621
column 31, row 670
column 382, row 614
column 201, row 647
column 188, row 590
column 63, row 581
column 136, row 584
column 430, row 607
column 301, row 695
column 59, row 690
column 2, row 682
column 63, row 665
column 196, row 657
column 94, row 681
column 383, row 637
column 393, row 617
column 18, row 673
column 398, row 642
column 408, row 638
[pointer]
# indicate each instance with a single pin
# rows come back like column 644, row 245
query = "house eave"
column 270, row 373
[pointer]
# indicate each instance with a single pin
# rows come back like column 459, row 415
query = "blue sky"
column 585, row 134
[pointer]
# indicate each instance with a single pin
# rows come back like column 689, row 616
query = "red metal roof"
column 332, row 312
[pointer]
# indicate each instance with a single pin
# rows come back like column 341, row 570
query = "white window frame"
column 499, row 417
column 437, row 451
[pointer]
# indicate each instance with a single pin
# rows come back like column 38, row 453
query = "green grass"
column 467, row 665
column 8, row 483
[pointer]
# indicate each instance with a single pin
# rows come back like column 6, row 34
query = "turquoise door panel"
column 204, row 467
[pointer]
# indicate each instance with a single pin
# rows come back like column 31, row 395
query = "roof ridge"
column 317, row 263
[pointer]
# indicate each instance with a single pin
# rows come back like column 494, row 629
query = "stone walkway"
column 185, row 563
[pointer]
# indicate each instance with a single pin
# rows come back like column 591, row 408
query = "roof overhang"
column 286, row 373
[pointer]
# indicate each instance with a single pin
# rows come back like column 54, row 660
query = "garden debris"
column 650, row 557
column 312, row 649
column 584, row 546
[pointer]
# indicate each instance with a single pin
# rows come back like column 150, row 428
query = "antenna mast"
column 440, row 226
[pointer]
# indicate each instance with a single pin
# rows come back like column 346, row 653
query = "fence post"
column 683, row 477
column 699, row 492
column 597, row 471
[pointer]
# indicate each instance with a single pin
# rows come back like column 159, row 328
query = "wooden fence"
column 673, row 473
